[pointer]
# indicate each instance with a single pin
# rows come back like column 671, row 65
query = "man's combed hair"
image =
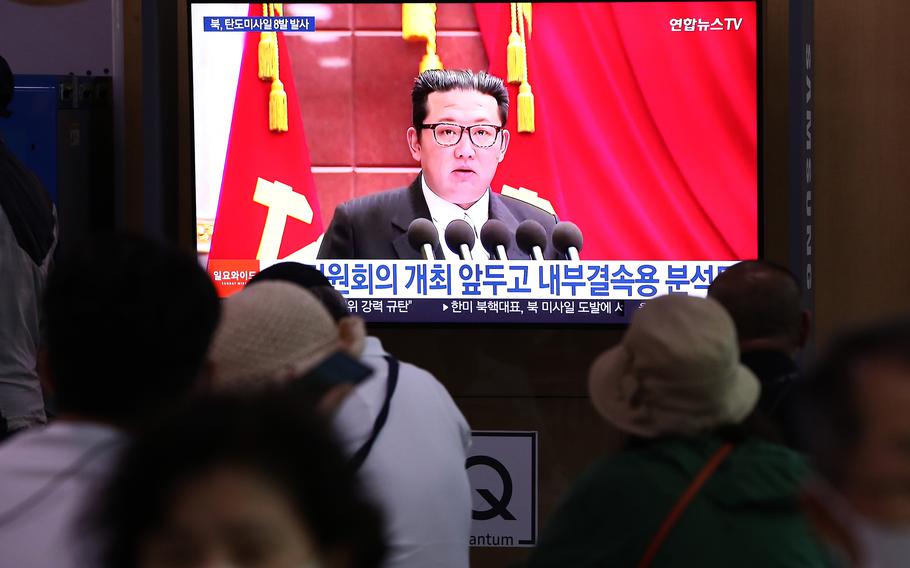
column 310, row 278
column 441, row 81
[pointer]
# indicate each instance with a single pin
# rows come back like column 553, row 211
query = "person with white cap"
column 273, row 334
column 400, row 426
column 691, row 487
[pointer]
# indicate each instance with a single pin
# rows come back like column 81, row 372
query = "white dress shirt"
column 443, row 212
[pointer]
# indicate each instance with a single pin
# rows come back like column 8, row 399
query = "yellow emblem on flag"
column 282, row 202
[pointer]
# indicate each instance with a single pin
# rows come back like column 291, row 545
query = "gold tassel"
column 526, row 11
column 268, row 54
column 516, row 50
column 430, row 60
column 525, row 108
column 278, row 107
column 418, row 22
column 525, row 95
column 278, row 98
column 268, row 50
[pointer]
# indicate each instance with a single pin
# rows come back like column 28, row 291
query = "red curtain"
column 255, row 152
column 645, row 137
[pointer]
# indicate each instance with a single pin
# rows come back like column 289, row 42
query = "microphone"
column 531, row 238
column 423, row 236
column 567, row 239
column 495, row 238
column 460, row 238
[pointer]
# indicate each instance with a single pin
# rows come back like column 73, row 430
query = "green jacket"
column 745, row 515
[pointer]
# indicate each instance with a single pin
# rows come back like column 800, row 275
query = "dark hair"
column 762, row 298
column 440, row 81
column 312, row 279
column 7, row 87
column 267, row 433
column 829, row 421
column 129, row 321
column 4, row 428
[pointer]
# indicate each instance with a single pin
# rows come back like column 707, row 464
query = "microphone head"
column 494, row 233
column 530, row 234
column 421, row 232
column 458, row 233
column 567, row 234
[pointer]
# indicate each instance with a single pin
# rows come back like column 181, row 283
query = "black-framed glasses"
column 449, row 133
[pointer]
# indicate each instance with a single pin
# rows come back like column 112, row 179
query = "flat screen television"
column 629, row 155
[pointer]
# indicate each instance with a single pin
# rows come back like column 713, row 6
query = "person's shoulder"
column 418, row 377
column 609, row 473
column 423, row 384
column 387, row 199
column 756, row 452
column 524, row 210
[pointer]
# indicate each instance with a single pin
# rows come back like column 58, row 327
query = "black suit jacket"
column 376, row 226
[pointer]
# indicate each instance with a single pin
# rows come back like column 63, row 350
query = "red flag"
column 645, row 138
column 268, row 204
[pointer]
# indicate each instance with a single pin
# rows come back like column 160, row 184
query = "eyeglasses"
column 449, row 133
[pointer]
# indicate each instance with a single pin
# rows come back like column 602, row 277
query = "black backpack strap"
column 360, row 455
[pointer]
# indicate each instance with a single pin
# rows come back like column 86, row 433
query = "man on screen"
column 459, row 137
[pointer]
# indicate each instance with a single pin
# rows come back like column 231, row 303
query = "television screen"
column 515, row 162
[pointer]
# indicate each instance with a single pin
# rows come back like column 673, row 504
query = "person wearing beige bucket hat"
column 676, row 371
column 693, row 486
column 275, row 332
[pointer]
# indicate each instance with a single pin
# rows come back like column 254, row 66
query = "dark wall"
column 862, row 174
column 42, row 37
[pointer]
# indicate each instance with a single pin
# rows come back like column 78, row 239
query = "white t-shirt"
column 48, row 475
column 416, row 469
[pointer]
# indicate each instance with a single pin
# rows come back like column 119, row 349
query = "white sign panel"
column 502, row 467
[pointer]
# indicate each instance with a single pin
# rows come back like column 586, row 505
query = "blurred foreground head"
column 855, row 407
column 244, row 480
column 309, row 278
column 763, row 298
column 129, row 321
